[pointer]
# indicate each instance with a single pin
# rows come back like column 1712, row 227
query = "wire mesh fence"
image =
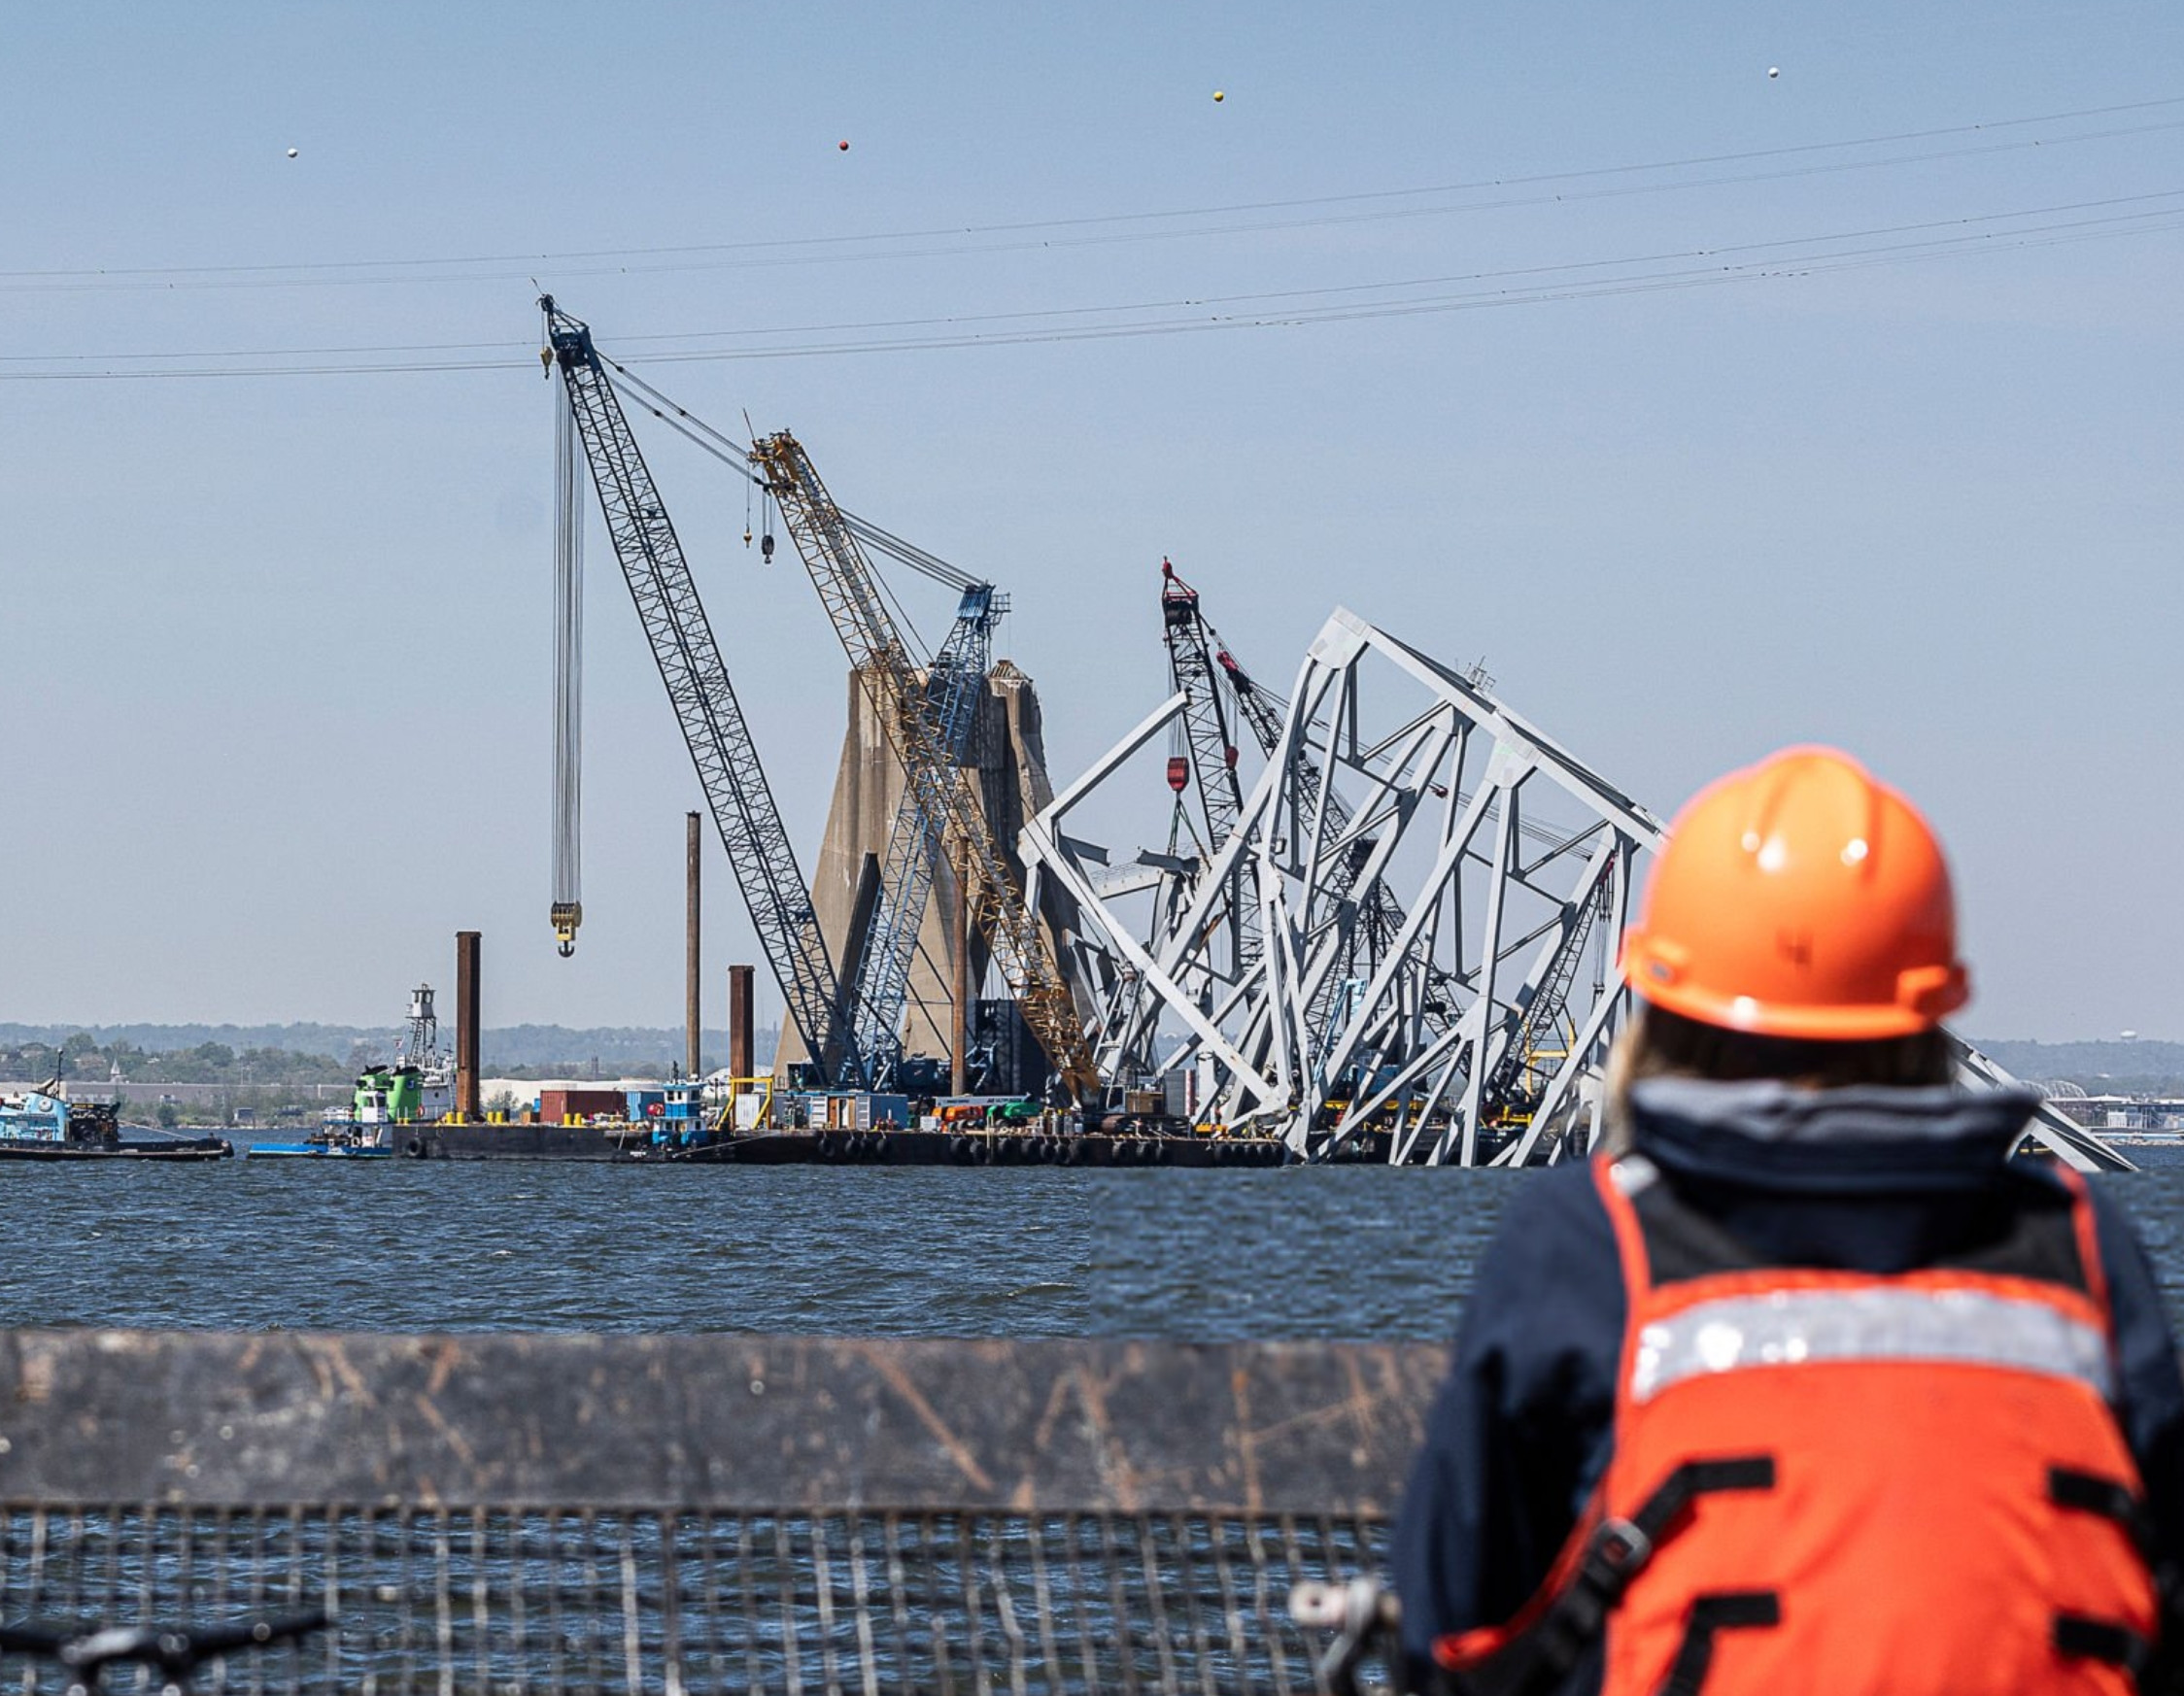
column 560, row 1600
column 1058, row 1518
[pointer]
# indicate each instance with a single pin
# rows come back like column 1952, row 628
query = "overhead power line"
column 1105, row 228
column 737, row 457
column 1654, row 272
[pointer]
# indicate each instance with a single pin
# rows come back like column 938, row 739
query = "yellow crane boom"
column 881, row 659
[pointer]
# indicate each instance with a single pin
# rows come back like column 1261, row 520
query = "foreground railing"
column 545, row 1513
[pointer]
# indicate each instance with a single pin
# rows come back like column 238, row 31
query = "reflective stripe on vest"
column 1805, row 1328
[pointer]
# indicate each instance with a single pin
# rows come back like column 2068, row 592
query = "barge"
column 456, row 1140
column 40, row 1125
column 635, row 1142
column 984, row 1147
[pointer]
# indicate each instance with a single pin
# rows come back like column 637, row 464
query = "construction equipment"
column 696, row 680
column 1217, row 696
column 885, row 944
column 947, row 703
column 569, row 680
column 1210, row 736
column 1379, row 916
column 882, row 662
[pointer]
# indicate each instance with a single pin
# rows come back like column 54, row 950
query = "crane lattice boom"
column 1212, row 748
column 1196, row 656
column 948, row 701
column 851, row 595
column 696, row 680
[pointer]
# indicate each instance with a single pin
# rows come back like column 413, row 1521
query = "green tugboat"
column 416, row 1088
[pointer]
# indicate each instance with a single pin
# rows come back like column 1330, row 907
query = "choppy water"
column 1325, row 1253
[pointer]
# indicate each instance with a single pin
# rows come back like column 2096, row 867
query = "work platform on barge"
column 636, row 1143
column 984, row 1148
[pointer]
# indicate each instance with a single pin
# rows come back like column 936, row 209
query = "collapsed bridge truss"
column 1440, row 888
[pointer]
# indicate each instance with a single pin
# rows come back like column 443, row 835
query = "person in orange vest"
column 1803, row 1383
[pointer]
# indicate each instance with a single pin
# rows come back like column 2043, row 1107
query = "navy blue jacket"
column 1865, row 1180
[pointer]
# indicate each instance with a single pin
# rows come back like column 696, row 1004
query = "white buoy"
column 291, row 152
column 1774, row 70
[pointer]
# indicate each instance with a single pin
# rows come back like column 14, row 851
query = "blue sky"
column 275, row 707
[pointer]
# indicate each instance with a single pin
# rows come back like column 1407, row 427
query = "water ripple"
column 1354, row 1252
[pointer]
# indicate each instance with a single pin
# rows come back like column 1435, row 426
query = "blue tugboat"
column 44, row 1125
column 332, row 1141
column 337, row 1139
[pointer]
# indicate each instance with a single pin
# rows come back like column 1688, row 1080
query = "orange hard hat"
column 1800, row 898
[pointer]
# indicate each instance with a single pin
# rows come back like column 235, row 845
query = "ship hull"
column 312, row 1151
column 523, row 1142
column 37, row 1148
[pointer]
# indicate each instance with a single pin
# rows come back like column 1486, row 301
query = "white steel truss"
column 1440, row 887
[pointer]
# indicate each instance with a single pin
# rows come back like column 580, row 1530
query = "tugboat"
column 417, row 1088
column 338, row 1139
column 44, row 1125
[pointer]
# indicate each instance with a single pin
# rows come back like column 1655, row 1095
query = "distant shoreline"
column 616, row 1048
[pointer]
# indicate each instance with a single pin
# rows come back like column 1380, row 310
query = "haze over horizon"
column 1714, row 410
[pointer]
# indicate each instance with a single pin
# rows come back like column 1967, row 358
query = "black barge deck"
column 1029, row 1147
column 632, row 1144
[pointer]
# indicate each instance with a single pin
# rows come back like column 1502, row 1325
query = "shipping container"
column 558, row 1105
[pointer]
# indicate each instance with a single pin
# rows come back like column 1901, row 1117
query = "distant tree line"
column 240, row 1056
column 2141, row 1066
column 83, row 1061
column 538, row 1050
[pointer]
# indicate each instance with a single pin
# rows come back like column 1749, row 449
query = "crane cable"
column 569, row 678
column 704, row 437
column 738, row 457
column 730, row 453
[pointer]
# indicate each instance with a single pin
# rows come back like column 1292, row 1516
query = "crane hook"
column 568, row 950
column 765, row 549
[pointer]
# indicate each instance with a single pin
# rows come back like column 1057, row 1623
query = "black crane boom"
column 698, row 689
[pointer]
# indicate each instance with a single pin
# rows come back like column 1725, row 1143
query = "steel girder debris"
column 1440, row 887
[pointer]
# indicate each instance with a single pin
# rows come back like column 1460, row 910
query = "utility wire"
column 2158, row 220
column 732, row 453
column 834, row 249
column 954, row 322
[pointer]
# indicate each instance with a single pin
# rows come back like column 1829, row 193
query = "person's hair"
column 1658, row 1043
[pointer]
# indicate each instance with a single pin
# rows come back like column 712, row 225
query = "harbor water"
column 1357, row 1253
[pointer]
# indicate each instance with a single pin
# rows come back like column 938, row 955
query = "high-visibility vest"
column 1839, row 1482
